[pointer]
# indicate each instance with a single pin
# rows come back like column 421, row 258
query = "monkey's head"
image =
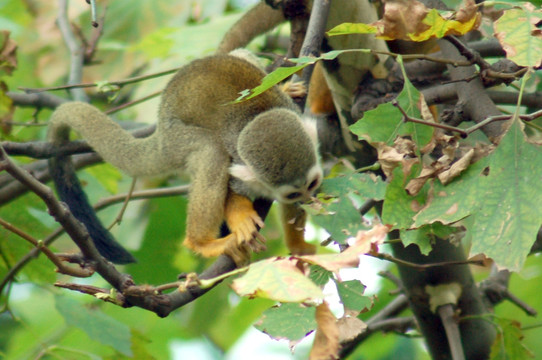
column 279, row 151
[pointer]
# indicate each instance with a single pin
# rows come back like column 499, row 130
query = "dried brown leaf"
column 326, row 339
column 401, row 18
column 415, row 185
column 402, row 153
column 467, row 11
column 457, row 168
column 8, row 53
column 350, row 326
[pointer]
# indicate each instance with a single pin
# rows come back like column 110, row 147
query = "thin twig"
column 40, row 245
column 120, row 83
column 142, row 194
column 102, row 204
column 93, row 13
column 407, row 117
column 465, row 132
column 388, row 257
column 118, row 219
column 133, row 102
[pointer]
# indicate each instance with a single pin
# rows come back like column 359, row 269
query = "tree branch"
column 472, row 95
column 76, row 51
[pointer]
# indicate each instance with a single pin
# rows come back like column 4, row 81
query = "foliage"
column 487, row 193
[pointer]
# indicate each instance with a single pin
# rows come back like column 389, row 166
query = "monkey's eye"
column 313, row 184
column 293, row 196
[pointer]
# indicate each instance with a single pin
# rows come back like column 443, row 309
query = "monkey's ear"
column 243, row 173
column 309, row 124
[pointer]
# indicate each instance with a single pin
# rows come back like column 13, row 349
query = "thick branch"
column 477, row 104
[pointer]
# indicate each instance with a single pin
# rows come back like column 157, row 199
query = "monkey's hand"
column 244, row 223
column 294, row 89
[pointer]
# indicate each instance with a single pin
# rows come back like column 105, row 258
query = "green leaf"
column 385, row 123
column 502, row 202
column 352, row 28
column 98, row 326
column 367, row 186
column 351, row 294
column 507, row 345
column 281, row 73
column 6, row 104
column 424, row 237
column 277, row 279
column 508, row 221
column 157, row 44
column 13, row 248
column 519, row 36
column 319, row 275
column 162, row 240
column 455, row 201
column 288, row 321
column 269, row 81
column 399, row 207
column 339, row 217
column 107, row 175
column 343, row 193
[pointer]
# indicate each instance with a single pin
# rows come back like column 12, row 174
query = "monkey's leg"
column 208, row 167
column 294, row 218
column 209, row 203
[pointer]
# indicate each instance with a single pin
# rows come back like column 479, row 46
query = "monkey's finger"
column 246, row 231
column 257, row 246
column 259, row 237
column 258, row 220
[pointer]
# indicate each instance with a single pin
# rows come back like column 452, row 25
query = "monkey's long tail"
column 70, row 191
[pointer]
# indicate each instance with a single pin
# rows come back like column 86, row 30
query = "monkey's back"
column 201, row 93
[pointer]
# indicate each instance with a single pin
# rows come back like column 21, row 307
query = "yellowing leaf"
column 350, row 257
column 440, row 26
column 517, row 32
column 278, row 279
column 412, row 20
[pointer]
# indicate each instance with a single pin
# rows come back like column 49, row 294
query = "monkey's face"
column 301, row 190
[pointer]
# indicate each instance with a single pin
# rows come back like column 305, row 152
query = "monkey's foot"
column 209, row 246
column 244, row 222
column 294, row 89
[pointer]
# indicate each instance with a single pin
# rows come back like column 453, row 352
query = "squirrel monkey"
column 233, row 152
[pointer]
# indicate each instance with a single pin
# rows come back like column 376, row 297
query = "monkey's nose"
column 307, row 195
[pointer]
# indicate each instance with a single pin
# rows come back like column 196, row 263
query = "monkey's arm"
column 293, row 219
column 112, row 143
